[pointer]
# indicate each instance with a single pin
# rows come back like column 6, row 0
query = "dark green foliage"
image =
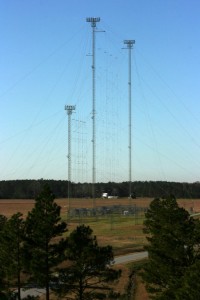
column 190, row 288
column 11, row 240
column 3, row 296
column 173, row 236
column 3, row 284
column 12, row 249
column 43, row 252
column 28, row 189
column 89, row 270
column 2, row 279
column 3, row 220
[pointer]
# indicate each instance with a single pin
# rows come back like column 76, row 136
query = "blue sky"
column 46, row 64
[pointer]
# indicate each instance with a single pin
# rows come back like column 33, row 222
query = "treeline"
column 28, row 189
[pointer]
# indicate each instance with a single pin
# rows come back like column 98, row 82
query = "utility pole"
column 69, row 109
column 93, row 22
column 129, row 44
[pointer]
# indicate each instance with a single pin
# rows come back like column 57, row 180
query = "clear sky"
column 45, row 55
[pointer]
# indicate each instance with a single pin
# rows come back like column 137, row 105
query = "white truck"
column 104, row 195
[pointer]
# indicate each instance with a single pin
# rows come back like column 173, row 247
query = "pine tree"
column 89, row 267
column 12, row 249
column 3, row 221
column 43, row 251
column 172, row 237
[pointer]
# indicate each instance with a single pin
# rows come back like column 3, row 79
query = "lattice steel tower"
column 93, row 22
column 69, row 109
column 129, row 44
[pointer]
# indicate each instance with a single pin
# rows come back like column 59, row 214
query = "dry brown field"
column 10, row 206
column 124, row 234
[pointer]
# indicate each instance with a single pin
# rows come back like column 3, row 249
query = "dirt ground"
column 10, row 206
column 141, row 293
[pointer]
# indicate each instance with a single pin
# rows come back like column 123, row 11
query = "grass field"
column 124, row 233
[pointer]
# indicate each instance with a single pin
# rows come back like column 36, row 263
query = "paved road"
column 130, row 257
column 32, row 292
column 118, row 260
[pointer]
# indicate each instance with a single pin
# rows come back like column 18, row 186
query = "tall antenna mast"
column 69, row 109
column 93, row 22
column 129, row 44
